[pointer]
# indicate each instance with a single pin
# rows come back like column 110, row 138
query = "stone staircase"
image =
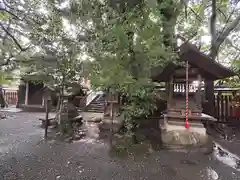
column 96, row 105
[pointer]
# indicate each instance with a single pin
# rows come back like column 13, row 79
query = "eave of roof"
column 209, row 69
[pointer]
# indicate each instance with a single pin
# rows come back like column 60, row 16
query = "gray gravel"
column 26, row 156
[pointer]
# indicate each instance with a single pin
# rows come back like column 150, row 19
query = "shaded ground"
column 231, row 142
column 26, row 156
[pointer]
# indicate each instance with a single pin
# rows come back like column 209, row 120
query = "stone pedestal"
column 174, row 133
column 195, row 127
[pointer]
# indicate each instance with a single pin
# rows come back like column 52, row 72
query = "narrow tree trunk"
column 112, row 117
column 46, row 118
column 61, row 108
column 60, row 115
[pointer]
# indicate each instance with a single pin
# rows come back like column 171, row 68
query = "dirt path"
column 26, row 156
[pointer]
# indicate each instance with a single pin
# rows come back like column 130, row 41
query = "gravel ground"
column 26, row 156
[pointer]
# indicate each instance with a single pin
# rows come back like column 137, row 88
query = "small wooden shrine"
column 184, row 84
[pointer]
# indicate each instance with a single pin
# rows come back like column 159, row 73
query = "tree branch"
column 230, row 43
column 7, row 61
column 213, row 30
column 9, row 12
column 229, row 28
column 12, row 37
column 196, row 15
column 5, row 36
column 222, row 13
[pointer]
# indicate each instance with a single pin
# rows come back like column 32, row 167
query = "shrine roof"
column 208, row 68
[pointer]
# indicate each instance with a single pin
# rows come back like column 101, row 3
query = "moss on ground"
column 124, row 147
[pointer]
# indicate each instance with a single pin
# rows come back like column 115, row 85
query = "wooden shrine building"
column 178, row 80
column 29, row 95
column 201, row 69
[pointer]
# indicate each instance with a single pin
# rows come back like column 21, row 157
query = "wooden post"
column 46, row 117
column 167, row 90
column 199, row 102
column 111, row 117
column 222, row 107
column 170, row 91
column 43, row 101
column 47, row 100
column 226, row 115
column 26, row 93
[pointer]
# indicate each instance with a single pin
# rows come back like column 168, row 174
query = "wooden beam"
column 182, row 71
column 199, row 98
column 183, row 80
column 170, row 92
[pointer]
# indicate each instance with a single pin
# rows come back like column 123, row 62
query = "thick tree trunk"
column 215, row 45
column 209, row 85
column 170, row 14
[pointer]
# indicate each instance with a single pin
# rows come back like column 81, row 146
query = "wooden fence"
column 224, row 108
column 11, row 96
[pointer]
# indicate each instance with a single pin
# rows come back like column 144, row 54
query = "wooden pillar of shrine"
column 199, row 96
column 26, row 93
column 170, row 91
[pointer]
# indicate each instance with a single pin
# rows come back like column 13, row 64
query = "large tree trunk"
column 209, row 85
column 216, row 42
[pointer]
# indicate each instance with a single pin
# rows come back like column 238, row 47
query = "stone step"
column 95, row 110
column 96, row 105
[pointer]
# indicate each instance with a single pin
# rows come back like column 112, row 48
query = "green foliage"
column 126, row 47
column 5, row 77
column 236, row 66
column 125, row 39
column 233, row 81
column 58, row 61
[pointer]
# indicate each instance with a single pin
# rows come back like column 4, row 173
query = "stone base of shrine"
column 175, row 135
column 194, row 127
